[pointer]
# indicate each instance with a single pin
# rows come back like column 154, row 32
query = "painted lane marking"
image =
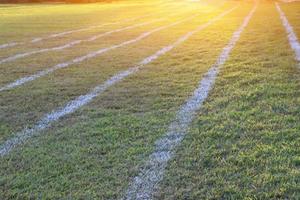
column 45, row 72
column 55, row 35
column 294, row 43
column 144, row 185
column 75, row 42
column 72, row 106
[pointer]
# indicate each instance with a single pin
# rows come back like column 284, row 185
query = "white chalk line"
column 12, row 44
column 293, row 40
column 144, row 185
column 87, row 28
column 82, row 100
column 55, row 35
column 42, row 73
column 76, row 42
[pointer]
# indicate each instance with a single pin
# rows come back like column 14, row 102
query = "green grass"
column 26, row 108
column 243, row 144
column 27, row 21
column 292, row 11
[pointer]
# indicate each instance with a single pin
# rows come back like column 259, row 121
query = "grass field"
column 172, row 100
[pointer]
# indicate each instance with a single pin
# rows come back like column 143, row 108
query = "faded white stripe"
column 88, row 28
column 80, row 101
column 55, row 35
column 295, row 45
column 144, row 185
column 12, row 44
column 75, row 42
column 42, row 73
column 38, row 39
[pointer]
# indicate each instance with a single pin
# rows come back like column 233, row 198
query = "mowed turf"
column 81, row 78
column 235, row 17
column 95, row 152
column 31, row 64
column 292, row 12
column 41, row 20
column 245, row 142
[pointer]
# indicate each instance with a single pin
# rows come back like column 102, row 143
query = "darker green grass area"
column 245, row 143
column 90, row 160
